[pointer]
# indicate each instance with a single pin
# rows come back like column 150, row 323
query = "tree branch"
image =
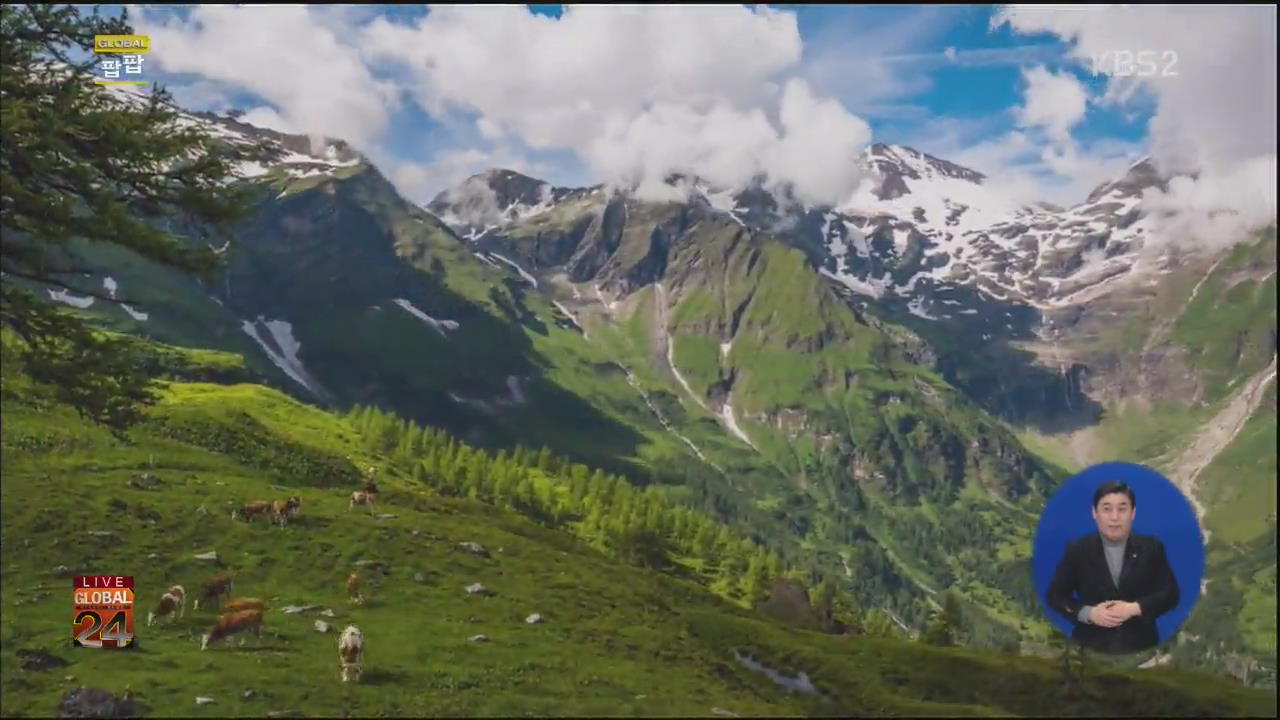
column 89, row 293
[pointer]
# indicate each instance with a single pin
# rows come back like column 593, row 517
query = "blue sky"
column 938, row 78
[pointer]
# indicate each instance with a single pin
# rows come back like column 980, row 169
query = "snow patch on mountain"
column 662, row 420
column 286, row 356
column 531, row 279
column 135, row 314
column 517, row 393
column 872, row 288
column 724, row 201
column 916, row 307
column 731, row 422
column 63, row 296
column 440, row 325
column 572, row 317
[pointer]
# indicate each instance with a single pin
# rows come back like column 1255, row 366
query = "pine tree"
column 544, row 460
column 775, row 565
column 945, row 625
column 823, row 601
column 755, row 580
column 78, row 167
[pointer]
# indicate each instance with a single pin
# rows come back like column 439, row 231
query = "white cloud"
column 637, row 93
column 1215, row 117
column 289, row 56
column 975, row 57
column 816, row 150
column 267, row 117
column 1194, row 209
column 200, row 95
column 420, row 182
column 1025, row 165
column 489, row 129
column 1053, row 101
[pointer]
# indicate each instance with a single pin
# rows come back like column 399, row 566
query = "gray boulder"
column 84, row 702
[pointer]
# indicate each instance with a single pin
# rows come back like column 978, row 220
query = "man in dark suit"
column 1113, row 584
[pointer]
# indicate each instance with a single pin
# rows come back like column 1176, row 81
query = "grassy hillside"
column 616, row 640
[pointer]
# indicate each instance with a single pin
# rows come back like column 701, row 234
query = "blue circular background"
column 1163, row 511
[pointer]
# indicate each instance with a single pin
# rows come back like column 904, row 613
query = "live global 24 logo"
column 103, row 607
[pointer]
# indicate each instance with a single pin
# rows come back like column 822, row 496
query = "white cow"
column 351, row 653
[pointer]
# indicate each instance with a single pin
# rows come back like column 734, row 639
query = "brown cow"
column 232, row 623
column 172, row 600
column 252, row 509
column 215, row 589
column 242, row 604
column 353, row 588
column 283, row 510
column 360, row 497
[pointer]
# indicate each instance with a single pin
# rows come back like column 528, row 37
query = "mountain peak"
column 895, row 164
column 1140, row 176
column 494, row 197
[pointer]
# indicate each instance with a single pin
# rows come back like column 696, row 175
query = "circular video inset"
column 1118, row 558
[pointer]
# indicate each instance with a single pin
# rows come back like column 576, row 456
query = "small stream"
column 800, row 683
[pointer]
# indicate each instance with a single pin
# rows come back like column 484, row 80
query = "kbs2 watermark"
column 1135, row 63
column 103, row 607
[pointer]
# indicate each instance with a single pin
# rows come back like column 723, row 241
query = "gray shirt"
column 1114, row 552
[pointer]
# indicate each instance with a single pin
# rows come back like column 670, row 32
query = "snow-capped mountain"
column 282, row 156
column 925, row 235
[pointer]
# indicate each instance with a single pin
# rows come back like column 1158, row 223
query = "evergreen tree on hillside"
column 755, row 581
column 946, row 625
column 78, row 167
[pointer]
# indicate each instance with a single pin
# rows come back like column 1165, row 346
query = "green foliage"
column 78, row 165
column 170, row 362
column 239, row 435
column 104, row 378
column 946, row 626
column 1239, row 486
column 641, row 527
column 1229, row 327
column 893, row 678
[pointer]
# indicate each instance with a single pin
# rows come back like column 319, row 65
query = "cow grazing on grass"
column 240, row 604
column 215, row 590
column 353, row 588
column 252, row 509
column 351, row 653
column 233, row 623
column 360, row 497
column 284, row 510
column 171, row 601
